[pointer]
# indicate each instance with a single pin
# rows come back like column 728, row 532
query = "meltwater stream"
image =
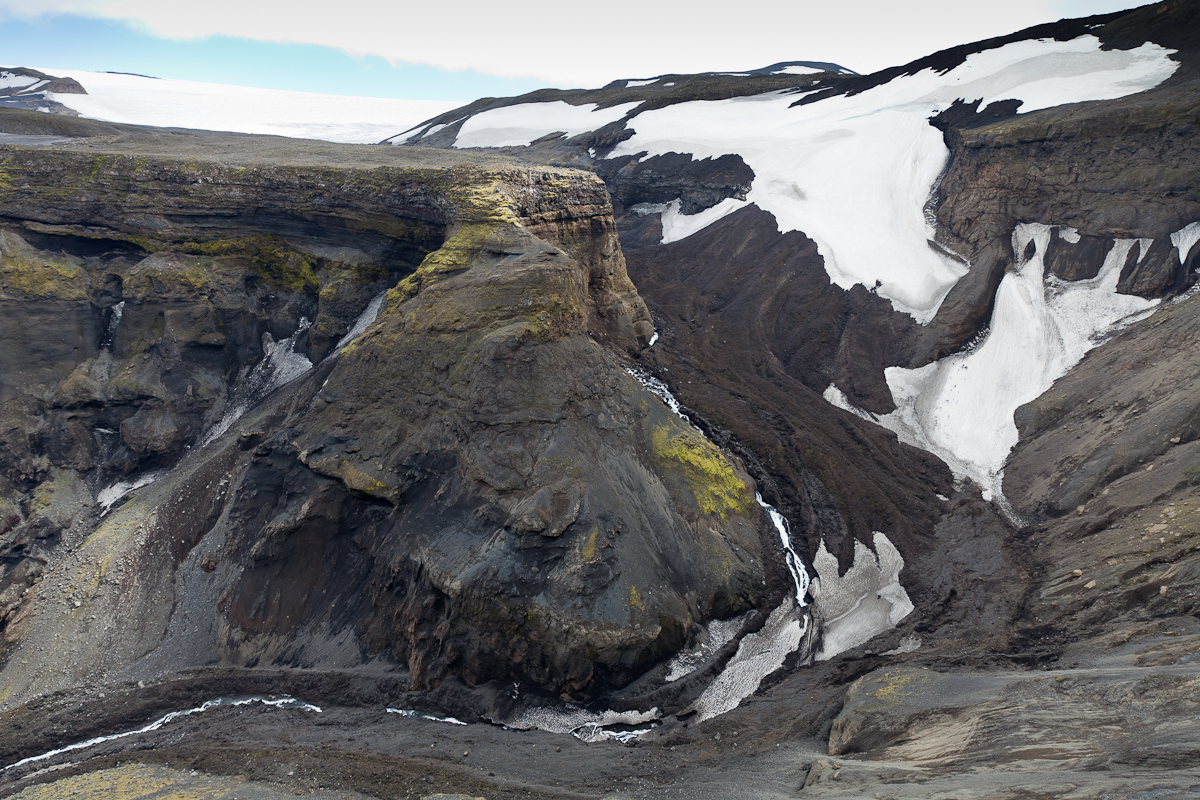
column 761, row 653
column 788, row 628
column 283, row 702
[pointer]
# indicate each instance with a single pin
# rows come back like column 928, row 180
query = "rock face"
column 752, row 332
column 473, row 488
column 475, row 498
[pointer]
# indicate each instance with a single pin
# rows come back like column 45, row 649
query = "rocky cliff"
column 474, row 487
column 986, row 462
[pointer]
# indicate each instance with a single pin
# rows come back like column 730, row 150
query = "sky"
column 465, row 49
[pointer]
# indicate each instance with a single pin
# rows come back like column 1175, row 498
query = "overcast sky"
column 463, row 49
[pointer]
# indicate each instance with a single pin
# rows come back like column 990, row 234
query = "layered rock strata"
column 472, row 488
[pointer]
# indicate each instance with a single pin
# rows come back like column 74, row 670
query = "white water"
column 795, row 566
column 590, row 726
column 660, row 390
column 285, row 702
column 118, row 310
column 279, row 365
column 410, row 714
column 759, row 654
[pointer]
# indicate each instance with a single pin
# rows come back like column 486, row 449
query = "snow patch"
column 364, row 321
column 796, row 69
column 855, row 173
column 279, row 365
column 676, row 225
column 519, row 125
column 712, row 638
column 864, row 602
column 632, row 84
column 1185, row 239
column 758, row 655
column 9, row 80
column 961, row 407
column 909, row 644
column 115, row 492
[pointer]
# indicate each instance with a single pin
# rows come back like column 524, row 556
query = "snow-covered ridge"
column 518, row 126
column 854, row 173
column 139, row 100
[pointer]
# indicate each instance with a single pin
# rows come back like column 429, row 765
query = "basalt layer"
column 474, row 487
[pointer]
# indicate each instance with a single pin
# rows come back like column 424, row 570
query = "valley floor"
column 1119, row 724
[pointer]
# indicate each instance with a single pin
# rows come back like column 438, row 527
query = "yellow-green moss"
column 635, row 599
column 47, row 277
column 589, row 547
column 716, row 488
column 281, row 266
column 459, row 252
column 133, row 782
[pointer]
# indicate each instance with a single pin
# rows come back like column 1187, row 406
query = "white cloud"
column 571, row 44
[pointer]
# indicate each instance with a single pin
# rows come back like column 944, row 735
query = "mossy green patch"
column 710, row 477
column 278, row 264
column 589, row 547
column 29, row 273
column 459, row 252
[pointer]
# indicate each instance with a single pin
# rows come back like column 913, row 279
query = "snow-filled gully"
column 961, row 407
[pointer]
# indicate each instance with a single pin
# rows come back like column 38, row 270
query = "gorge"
column 541, row 415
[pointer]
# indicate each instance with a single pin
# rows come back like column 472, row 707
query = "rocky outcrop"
column 473, row 488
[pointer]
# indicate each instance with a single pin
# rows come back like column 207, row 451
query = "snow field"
column 9, row 80
column 797, row 69
column 961, row 407
column 137, row 100
column 853, row 173
column 518, row 126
